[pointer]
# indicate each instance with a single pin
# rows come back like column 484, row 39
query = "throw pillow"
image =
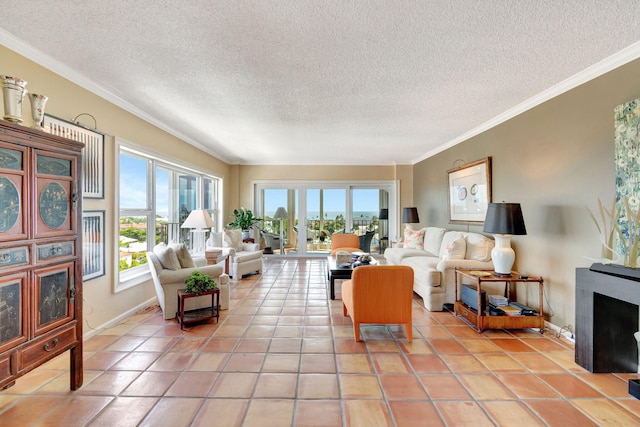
column 215, row 240
column 479, row 247
column 233, row 239
column 413, row 239
column 184, row 257
column 167, row 257
column 455, row 250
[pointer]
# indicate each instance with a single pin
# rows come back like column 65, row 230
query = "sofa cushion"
column 479, row 247
column 245, row 256
column 184, row 257
column 233, row 239
column 167, row 257
column 215, row 239
column 414, row 239
column 455, row 250
column 447, row 239
column 396, row 255
column 433, row 239
column 425, row 269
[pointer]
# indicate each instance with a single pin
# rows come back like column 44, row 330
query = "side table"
column 483, row 321
column 215, row 256
column 199, row 314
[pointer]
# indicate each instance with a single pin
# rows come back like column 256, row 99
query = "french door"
column 317, row 210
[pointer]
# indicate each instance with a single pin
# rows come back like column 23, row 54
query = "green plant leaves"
column 198, row 283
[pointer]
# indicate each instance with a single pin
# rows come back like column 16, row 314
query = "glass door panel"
column 315, row 211
column 281, row 235
column 325, row 214
column 366, row 205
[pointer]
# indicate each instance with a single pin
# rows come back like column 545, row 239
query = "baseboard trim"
column 565, row 333
column 93, row 331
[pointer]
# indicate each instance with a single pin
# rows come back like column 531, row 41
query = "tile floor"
column 284, row 355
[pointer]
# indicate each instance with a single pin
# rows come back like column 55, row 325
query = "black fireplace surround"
column 606, row 319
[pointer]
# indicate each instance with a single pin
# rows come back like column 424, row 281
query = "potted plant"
column 198, row 283
column 244, row 220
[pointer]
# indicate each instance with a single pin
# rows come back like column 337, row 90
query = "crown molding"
column 48, row 62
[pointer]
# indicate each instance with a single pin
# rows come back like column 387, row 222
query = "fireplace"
column 606, row 320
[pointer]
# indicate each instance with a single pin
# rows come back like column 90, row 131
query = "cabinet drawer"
column 5, row 368
column 45, row 348
column 14, row 257
column 53, row 251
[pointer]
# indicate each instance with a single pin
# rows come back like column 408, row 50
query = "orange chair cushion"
column 344, row 242
column 379, row 294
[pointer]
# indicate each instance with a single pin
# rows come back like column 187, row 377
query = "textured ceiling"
column 324, row 82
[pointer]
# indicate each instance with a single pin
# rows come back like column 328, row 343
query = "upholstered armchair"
column 171, row 276
column 271, row 240
column 244, row 258
column 379, row 294
column 344, row 242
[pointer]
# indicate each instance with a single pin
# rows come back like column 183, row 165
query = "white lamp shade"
column 281, row 213
column 198, row 219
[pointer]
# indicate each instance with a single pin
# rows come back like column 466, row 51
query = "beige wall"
column 556, row 160
column 67, row 100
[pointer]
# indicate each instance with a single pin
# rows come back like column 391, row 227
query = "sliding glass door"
column 325, row 215
column 314, row 211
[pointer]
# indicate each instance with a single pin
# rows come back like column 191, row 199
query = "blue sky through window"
column 365, row 201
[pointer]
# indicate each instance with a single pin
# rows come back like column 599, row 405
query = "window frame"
column 129, row 278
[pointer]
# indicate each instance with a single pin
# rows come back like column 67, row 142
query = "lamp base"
column 496, row 274
column 502, row 255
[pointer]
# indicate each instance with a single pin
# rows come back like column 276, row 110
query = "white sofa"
column 244, row 258
column 434, row 264
column 167, row 282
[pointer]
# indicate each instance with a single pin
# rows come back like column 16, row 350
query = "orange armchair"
column 344, row 242
column 379, row 294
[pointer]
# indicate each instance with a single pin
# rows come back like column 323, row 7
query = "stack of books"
column 511, row 310
column 498, row 300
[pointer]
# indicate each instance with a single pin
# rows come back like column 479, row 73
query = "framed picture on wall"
column 92, row 153
column 92, row 245
column 469, row 192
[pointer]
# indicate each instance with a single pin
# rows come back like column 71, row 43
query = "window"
column 155, row 197
column 317, row 209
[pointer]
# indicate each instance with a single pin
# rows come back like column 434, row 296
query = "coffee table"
column 339, row 272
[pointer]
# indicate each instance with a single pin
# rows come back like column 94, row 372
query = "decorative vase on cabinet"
column 40, row 252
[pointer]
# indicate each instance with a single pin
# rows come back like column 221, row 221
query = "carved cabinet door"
column 13, row 190
column 55, row 194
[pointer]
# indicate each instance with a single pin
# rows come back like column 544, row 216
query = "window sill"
column 132, row 279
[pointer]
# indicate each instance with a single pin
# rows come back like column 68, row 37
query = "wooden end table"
column 200, row 314
column 482, row 321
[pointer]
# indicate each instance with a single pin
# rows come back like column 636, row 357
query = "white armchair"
column 244, row 258
column 167, row 282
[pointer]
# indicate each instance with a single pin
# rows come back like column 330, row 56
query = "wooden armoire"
column 40, row 251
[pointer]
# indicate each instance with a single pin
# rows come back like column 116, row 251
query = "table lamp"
column 281, row 214
column 504, row 220
column 199, row 221
column 410, row 216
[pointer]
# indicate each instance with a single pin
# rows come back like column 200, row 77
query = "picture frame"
column 469, row 192
column 92, row 153
column 93, row 251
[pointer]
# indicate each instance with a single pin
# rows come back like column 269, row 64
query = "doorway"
column 314, row 211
